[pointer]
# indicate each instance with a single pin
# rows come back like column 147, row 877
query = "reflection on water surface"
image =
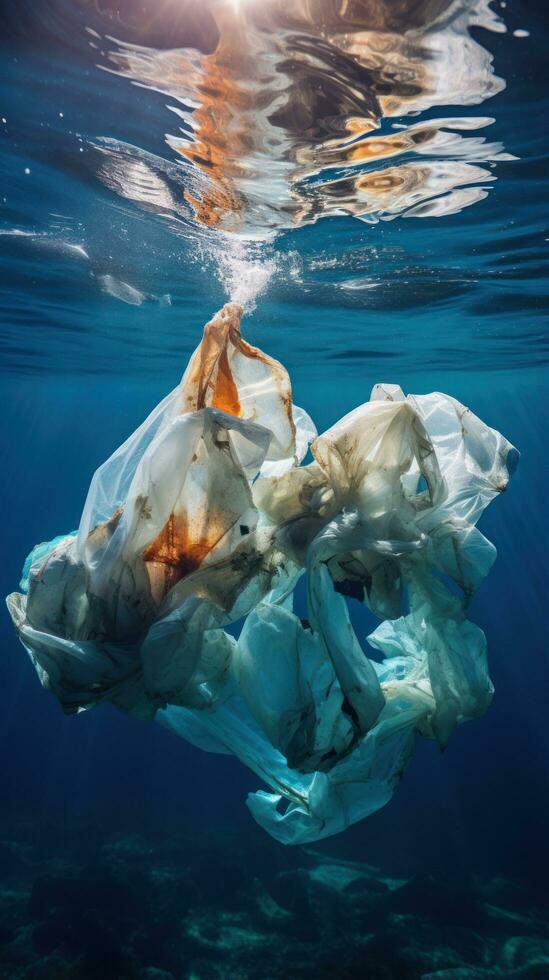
column 292, row 116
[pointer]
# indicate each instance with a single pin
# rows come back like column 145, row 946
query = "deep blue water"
column 455, row 303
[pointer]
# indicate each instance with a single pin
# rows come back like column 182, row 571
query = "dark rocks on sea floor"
column 440, row 901
column 89, row 889
column 215, row 907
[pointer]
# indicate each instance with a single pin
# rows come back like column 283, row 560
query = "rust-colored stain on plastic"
column 103, row 532
column 180, row 549
column 176, row 545
column 210, row 381
column 225, row 394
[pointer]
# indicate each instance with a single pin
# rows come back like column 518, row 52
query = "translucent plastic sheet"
column 205, row 517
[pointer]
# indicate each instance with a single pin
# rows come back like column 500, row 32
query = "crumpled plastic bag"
column 205, row 517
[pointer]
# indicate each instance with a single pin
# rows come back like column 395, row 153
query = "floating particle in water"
column 122, row 290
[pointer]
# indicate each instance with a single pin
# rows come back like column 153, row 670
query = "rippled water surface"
column 372, row 170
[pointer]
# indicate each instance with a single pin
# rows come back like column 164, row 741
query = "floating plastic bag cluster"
column 205, row 517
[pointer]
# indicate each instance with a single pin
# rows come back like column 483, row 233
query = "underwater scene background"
column 151, row 172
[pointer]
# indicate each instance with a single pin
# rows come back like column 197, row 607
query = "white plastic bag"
column 204, row 516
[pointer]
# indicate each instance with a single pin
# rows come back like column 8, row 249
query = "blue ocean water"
column 106, row 282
